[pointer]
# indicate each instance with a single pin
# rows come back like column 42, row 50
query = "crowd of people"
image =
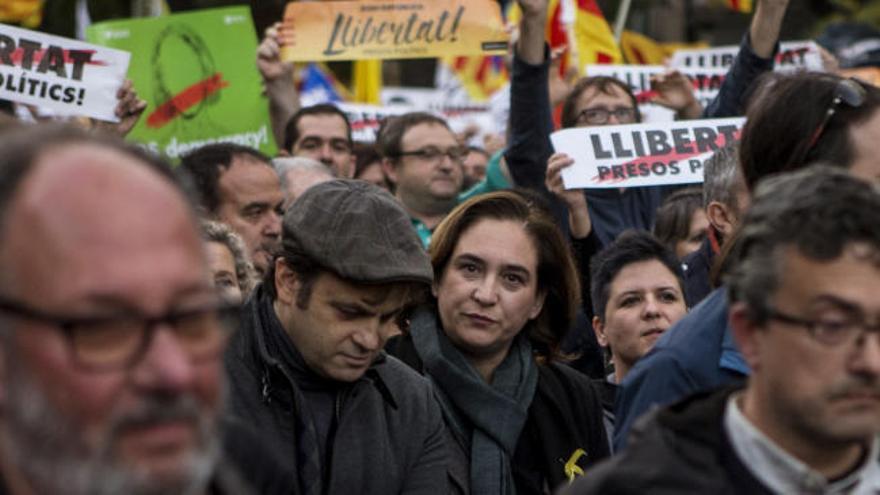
column 419, row 315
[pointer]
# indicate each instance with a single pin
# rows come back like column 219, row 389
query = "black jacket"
column 565, row 415
column 679, row 449
column 389, row 436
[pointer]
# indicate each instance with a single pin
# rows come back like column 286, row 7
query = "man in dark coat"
column 308, row 368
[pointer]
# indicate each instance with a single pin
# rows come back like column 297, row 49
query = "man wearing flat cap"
column 307, row 367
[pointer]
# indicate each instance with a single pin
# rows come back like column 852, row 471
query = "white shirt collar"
column 782, row 472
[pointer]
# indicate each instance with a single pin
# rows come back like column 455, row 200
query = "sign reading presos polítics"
column 792, row 56
column 65, row 75
column 387, row 29
column 706, row 82
column 655, row 154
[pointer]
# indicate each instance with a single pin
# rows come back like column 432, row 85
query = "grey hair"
column 285, row 164
column 213, row 231
column 720, row 176
column 819, row 211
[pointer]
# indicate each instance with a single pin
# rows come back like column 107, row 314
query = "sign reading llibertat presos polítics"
column 653, row 154
column 65, row 75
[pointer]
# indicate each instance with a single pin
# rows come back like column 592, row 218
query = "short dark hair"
column 292, row 132
column 819, row 211
column 603, row 84
column 632, row 246
column 790, row 108
column 393, row 128
column 673, row 220
column 557, row 273
column 203, row 167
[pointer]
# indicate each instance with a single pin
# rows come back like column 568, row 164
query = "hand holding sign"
column 578, row 214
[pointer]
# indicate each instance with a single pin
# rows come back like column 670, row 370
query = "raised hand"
column 675, row 91
column 578, row 214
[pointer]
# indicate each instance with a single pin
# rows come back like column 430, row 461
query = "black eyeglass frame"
column 67, row 324
column 420, row 153
column 812, row 325
column 632, row 116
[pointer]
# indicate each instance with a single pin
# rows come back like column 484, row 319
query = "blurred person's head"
column 349, row 268
column 475, row 164
column 237, row 185
column 725, row 196
column 368, row 166
column 502, row 268
column 234, row 275
column 637, row 290
column 322, row 132
column 110, row 329
column 681, row 222
column 803, row 309
column 298, row 174
column 600, row 100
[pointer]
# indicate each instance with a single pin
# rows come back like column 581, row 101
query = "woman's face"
column 696, row 233
column 222, row 266
column 489, row 289
column 644, row 300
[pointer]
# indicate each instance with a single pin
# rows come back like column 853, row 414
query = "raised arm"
column 277, row 82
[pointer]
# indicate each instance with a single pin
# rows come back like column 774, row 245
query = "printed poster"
column 371, row 29
column 65, row 75
column 792, row 56
column 653, row 154
column 197, row 72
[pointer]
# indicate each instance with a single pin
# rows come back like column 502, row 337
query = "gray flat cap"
column 358, row 231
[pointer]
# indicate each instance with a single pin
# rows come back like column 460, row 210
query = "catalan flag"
column 27, row 13
column 744, row 6
column 556, row 32
column 638, row 49
column 594, row 40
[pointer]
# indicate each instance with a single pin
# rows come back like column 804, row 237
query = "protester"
column 298, row 174
column 681, row 222
column 799, row 119
column 505, row 292
column 321, row 132
column 234, row 275
column 802, row 287
column 237, row 185
column 423, row 160
column 308, row 369
column 637, row 294
column 724, row 199
column 110, row 329
column 475, row 163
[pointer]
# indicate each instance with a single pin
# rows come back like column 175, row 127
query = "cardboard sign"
column 792, row 56
column 67, row 76
column 365, row 119
column 370, row 29
column 706, row 82
column 655, row 154
column 196, row 71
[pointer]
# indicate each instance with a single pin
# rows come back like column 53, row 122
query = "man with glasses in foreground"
column 110, row 331
column 804, row 312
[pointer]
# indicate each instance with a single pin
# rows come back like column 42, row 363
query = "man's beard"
column 53, row 457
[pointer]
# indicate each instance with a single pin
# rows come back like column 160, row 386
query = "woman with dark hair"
column 681, row 223
column 505, row 293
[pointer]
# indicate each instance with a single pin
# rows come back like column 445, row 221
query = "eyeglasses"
column 831, row 332
column 599, row 116
column 847, row 91
column 431, row 154
column 118, row 341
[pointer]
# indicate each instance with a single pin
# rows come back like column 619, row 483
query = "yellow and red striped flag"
column 595, row 41
column 744, row 6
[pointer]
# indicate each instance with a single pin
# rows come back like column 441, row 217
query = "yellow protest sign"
column 387, row 29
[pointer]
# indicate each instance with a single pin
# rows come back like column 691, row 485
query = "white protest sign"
column 706, row 82
column 365, row 119
column 792, row 56
column 655, row 154
column 68, row 76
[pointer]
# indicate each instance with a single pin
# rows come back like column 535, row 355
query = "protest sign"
column 706, row 82
column 365, row 119
column 196, row 71
column 655, row 154
column 792, row 56
column 67, row 76
column 371, row 29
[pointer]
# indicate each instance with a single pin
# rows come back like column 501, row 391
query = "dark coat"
column 389, row 436
column 565, row 415
column 679, row 449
